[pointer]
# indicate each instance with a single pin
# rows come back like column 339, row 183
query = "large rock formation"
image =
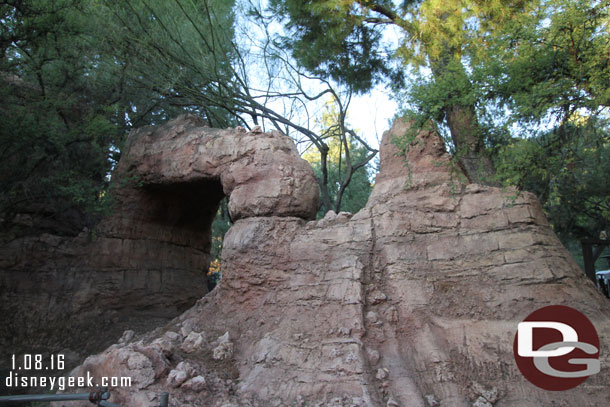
column 413, row 301
column 146, row 263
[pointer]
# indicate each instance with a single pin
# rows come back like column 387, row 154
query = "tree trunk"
column 468, row 137
column 323, row 181
column 469, row 144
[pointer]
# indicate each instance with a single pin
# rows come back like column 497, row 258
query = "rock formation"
column 146, row 263
column 413, row 301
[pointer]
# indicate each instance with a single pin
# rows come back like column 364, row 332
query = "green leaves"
column 540, row 87
column 568, row 169
column 77, row 75
column 328, row 38
column 558, row 64
column 179, row 51
column 529, row 79
column 54, row 132
column 353, row 195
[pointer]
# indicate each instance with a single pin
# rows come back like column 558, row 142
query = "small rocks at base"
column 224, row 350
column 193, row 342
column 196, row 384
column 180, row 374
column 432, row 401
column 482, row 402
column 392, row 403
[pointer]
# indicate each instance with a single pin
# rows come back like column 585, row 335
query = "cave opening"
column 193, row 217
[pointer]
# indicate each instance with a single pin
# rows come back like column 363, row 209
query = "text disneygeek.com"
column 26, row 371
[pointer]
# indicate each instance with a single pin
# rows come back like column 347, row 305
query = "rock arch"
column 261, row 173
column 145, row 263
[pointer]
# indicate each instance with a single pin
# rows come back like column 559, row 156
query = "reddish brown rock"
column 146, row 263
column 260, row 172
column 413, row 301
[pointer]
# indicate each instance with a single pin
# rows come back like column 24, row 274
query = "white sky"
column 372, row 114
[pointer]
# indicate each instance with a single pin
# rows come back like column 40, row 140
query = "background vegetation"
column 518, row 88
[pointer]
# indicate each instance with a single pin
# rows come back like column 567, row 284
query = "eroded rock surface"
column 413, row 301
column 146, row 263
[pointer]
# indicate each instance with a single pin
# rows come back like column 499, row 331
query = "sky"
column 371, row 114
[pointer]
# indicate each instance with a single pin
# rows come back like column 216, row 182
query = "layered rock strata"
column 413, row 301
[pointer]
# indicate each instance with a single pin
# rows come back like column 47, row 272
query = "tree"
column 178, row 53
column 556, row 74
column 435, row 34
column 355, row 194
column 572, row 183
column 493, row 74
column 541, row 89
column 55, row 136
column 75, row 78
column 78, row 75
column 200, row 66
